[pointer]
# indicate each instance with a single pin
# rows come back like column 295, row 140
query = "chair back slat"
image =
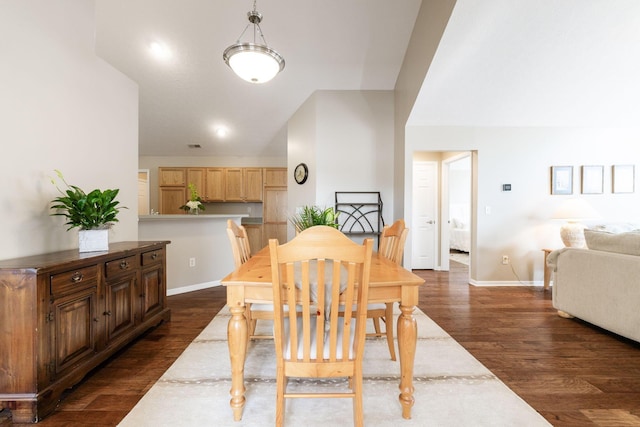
column 392, row 241
column 239, row 240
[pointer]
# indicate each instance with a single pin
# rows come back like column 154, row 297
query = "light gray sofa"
column 601, row 284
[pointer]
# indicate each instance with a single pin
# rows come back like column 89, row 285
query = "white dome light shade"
column 252, row 62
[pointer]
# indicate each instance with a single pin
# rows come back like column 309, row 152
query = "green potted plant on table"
column 93, row 213
column 309, row 216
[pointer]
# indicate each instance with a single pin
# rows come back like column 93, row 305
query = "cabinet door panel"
column 171, row 198
column 214, row 183
column 275, row 177
column 233, row 185
column 153, row 292
column 119, row 309
column 275, row 205
column 172, row 177
column 74, row 321
column 275, row 231
column 196, row 176
column 253, row 184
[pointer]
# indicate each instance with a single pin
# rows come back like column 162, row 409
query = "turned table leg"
column 237, row 337
column 407, row 336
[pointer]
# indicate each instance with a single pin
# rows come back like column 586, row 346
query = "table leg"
column 407, row 337
column 237, row 337
column 547, row 269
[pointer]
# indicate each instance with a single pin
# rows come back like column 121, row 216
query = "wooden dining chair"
column 241, row 250
column 392, row 241
column 327, row 275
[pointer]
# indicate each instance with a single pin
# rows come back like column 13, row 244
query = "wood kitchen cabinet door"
column 214, row 182
column 275, row 214
column 171, row 198
column 196, row 176
column 233, row 185
column 175, row 177
column 275, row 177
column 252, row 184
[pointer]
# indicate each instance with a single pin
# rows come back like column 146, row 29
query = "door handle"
column 431, row 222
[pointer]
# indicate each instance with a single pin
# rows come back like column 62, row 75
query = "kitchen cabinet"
column 214, row 184
column 62, row 314
column 275, row 177
column 243, row 184
column 174, row 177
column 254, row 234
column 170, row 200
column 197, row 177
column 275, row 214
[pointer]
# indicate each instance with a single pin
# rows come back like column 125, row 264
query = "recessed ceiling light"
column 160, row 50
column 222, row 131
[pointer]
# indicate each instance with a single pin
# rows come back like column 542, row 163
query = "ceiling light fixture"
column 253, row 62
column 160, row 50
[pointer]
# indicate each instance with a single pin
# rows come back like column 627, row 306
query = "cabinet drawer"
column 74, row 280
column 119, row 266
column 152, row 257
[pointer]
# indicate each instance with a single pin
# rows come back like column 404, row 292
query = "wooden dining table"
column 388, row 282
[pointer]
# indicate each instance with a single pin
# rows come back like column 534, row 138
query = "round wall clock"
column 300, row 173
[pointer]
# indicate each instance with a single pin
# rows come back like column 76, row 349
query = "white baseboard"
column 191, row 288
column 514, row 283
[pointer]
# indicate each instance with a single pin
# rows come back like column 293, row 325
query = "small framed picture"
column 623, row 179
column 592, row 179
column 561, row 179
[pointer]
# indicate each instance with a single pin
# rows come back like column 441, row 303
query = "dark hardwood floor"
column 572, row 373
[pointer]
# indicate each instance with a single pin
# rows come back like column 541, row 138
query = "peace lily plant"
column 96, row 210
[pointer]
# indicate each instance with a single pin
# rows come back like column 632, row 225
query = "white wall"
column 346, row 139
column 519, row 223
column 61, row 108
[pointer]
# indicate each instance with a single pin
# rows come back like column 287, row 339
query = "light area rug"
column 452, row 388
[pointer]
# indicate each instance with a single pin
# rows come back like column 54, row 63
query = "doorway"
column 458, row 170
column 442, row 208
column 143, row 192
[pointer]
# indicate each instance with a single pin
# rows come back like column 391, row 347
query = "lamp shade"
column 575, row 209
column 252, row 62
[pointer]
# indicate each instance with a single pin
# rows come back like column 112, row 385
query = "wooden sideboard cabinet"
column 64, row 313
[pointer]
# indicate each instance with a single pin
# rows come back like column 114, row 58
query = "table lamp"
column 573, row 211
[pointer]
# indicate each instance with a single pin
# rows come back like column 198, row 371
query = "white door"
column 424, row 216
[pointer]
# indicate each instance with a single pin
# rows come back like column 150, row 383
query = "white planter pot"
column 93, row 240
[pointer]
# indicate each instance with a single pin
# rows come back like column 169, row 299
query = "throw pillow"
column 622, row 243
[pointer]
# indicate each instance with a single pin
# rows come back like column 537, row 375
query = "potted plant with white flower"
column 93, row 213
column 194, row 205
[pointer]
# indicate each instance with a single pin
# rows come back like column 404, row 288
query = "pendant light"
column 253, row 62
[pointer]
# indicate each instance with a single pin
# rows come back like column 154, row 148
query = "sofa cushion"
column 622, row 243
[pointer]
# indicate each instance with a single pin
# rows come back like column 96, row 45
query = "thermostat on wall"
column 506, row 187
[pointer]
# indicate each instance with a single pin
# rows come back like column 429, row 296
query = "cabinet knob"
column 107, row 313
column 124, row 265
column 95, row 319
column 77, row 277
column 154, row 255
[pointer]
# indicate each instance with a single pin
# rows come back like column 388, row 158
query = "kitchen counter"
column 199, row 255
column 189, row 217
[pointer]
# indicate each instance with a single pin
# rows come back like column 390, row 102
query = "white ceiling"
column 499, row 63
column 327, row 45
column 535, row 63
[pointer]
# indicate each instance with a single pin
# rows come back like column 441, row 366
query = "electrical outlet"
column 192, row 262
column 505, row 259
